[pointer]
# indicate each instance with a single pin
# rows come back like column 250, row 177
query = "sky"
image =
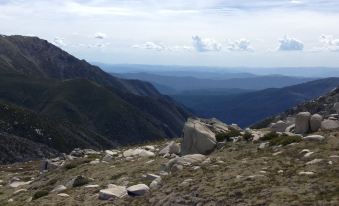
column 228, row 33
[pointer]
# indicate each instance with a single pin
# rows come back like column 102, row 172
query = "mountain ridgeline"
column 62, row 102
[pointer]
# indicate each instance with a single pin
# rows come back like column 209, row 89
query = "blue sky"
column 265, row 33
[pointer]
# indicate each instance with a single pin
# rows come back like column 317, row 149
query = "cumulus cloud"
column 329, row 43
column 150, row 46
column 205, row 44
column 59, row 42
column 290, row 44
column 100, row 35
column 240, row 45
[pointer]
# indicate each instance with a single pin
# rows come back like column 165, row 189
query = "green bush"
column 227, row 135
column 285, row 140
column 40, row 193
column 269, row 136
column 248, row 136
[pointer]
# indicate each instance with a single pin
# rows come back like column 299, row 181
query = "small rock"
column 94, row 162
column 314, row 138
column 330, row 162
column 277, row 153
column 315, row 161
column 155, row 183
column 281, row 171
column 306, row 173
column 91, row 186
column 308, row 154
column 171, row 148
column 138, row 190
column 186, row 182
column 334, row 156
column 264, row 145
column 149, row 148
column 152, row 177
column 112, row 191
column 78, row 181
column 149, row 161
column 19, row 191
column 59, row 188
column 63, row 195
column 16, row 184
column 107, row 157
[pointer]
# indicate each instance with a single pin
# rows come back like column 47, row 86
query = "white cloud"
column 240, row 45
column 150, row 46
column 100, row 35
column 59, row 42
column 290, row 44
column 205, row 44
column 329, row 43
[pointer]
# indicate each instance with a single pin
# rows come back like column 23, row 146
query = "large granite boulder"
column 315, row 122
column 279, row 126
column 329, row 124
column 336, row 107
column 198, row 137
column 302, row 123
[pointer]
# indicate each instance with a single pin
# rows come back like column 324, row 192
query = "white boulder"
column 302, row 123
column 315, row 122
column 329, row 124
column 138, row 190
column 197, row 138
column 113, row 191
column 314, row 138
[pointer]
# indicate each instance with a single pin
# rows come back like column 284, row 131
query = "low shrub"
column 39, row 194
column 226, row 136
column 248, row 136
column 285, row 140
column 269, row 136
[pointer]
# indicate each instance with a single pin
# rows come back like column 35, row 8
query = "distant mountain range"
column 62, row 102
column 177, row 84
column 246, row 108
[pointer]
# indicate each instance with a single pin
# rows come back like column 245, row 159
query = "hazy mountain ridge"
column 250, row 107
column 185, row 83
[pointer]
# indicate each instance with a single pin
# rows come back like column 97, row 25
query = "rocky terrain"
column 213, row 164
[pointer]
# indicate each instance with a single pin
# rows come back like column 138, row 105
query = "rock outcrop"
column 302, row 122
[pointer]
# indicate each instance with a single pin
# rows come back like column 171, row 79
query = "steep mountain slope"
column 248, row 108
column 181, row 84
column 46, row 81
column 322, row 105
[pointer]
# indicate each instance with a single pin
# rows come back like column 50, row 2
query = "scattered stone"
column 281, row 171
column 185, row 160
column 290, row 128
column 152, row 177
column 197, row 138
column 78, row 181
column 149, row 161
column 10, row 200
column 113, row 191
column 138, row 152
column 91, row 186
column 63, row 195
column 308, row 154
column 305, row 151
column 302, row 122
column 155, row 183
column 264, row 145
column 315, row 122
column 306, row 173
column 277, row 153
column 16, row 184
column 138, row 190
column 59, row 188
column 334, row 156
column 280, row 126
column 171, row 148
column 330, row 162
column 107, row 158
column 186, row 182
column 149, row 148
column 315, row 161
column 77, row 152
column 314, row 137
column 329, row 124
column 94, row 162
column 19, row 191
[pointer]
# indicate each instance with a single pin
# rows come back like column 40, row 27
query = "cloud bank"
column 290, row 44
